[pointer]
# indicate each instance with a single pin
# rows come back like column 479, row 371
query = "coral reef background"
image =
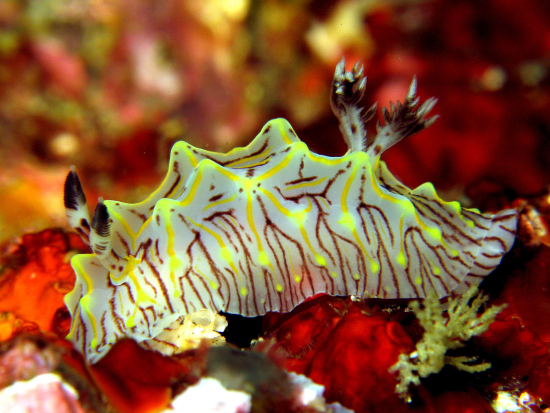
column 109, row 85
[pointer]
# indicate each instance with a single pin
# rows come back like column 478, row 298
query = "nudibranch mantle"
column 262, row 228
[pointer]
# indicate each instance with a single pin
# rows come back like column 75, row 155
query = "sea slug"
column 266, row 226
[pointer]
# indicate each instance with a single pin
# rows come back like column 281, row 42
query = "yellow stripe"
column 220, row 202
column 282, row 165
column 304, row 184
column 262, row 155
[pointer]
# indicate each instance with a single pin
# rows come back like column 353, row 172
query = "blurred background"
column 110, row 85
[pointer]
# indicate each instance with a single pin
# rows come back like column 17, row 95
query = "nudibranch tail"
column 263, row 227
column 498, row 240
column 76, row 208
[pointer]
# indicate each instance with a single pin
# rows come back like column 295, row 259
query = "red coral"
column 339, row 345
column 476, row 58
column 139, row 381
column 521, row 334
column 37, row 270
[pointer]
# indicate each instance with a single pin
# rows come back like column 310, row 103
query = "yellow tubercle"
column 435, row 233
column 263, row 259
column 320, row 260
column 401, row 260
column 348, row 221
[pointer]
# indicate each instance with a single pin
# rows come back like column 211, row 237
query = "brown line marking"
column 445, row 221
column 320, row 216
column 214, row 270
column 161, row 285
column 300, row 180
column 491, row 256
column 383, row 251
column 498, row 240
column 166, row 343
column 253, row 288
column 397, row 189
column 439, row 277
column 262, row 149
column 84, row 336
column 371, row 216
column 158, row 252
column 510, row 231
column 119, row 322
column 268, row 291
column 322, row 194
column 409, row 260
column 215, row 197
column 144, row 317
column 484, row 267
column 223, row 230
column 187, row 277
column 507, row 217
column 237, row 289
column 150, row 284
column 477, row 218
column 425, row 201
column 247, row 274
column 141, row 216
column 476, row 275
column 269, row 224
column 334, row 236
column 146, row 246
column 130, row 295
column 301, row 167
column 103, row 330
column 283, row 269
column 442, row 262
column 153, row 313
column 248, row 258
column 176, row 182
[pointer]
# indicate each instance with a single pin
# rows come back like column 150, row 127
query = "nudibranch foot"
column 76, row 208
column 264, row 227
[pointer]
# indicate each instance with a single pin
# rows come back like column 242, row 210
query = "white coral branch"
column 443, row 333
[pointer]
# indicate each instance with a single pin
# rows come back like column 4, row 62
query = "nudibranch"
column 263, row 227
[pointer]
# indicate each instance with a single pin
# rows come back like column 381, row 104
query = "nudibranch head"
column 266, row 226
